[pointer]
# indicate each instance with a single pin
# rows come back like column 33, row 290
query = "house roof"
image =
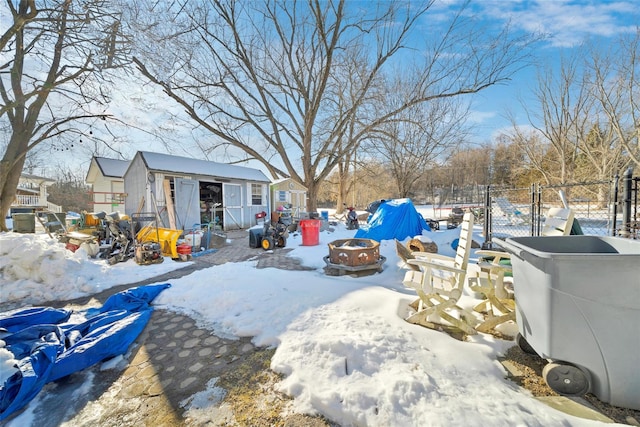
column 176, row 164
column 113, row 168
column 26, row 177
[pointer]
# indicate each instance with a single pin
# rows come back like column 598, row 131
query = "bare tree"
column 52, row 52
column 560, row 110
column 506, row 163
column 263, row 77
column 616, row 87
column 588, row 116
column 366, row 182
column 417, row 137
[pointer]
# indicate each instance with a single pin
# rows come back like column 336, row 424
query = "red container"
column 72, row 247
column 183, row 249
column 310, row 232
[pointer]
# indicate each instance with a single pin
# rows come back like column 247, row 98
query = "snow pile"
column 35, row 268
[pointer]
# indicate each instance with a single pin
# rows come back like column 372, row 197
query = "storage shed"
column 289, row 194
column 185, row 192
column 106, row 177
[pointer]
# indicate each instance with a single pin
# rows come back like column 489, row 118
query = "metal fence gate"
column 607, row 207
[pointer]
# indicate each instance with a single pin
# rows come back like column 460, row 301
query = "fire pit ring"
column 353, row 255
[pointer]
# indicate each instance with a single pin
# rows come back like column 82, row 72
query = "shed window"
column 256, row 194
column 282, row 196
column 117, row 198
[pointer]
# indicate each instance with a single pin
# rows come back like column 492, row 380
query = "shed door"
column 187, row 203
column 232, row 195
column 299, row 202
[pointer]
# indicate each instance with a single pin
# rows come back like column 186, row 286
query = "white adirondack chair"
column 439, row 284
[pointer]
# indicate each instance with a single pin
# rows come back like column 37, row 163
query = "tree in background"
column 70, row 191
column 51, row 47
column 416, row 137
column 616, row 87
column 367, row 182
column 507, row 163
column 600, row 158
column 267, row 78
column 562, row 103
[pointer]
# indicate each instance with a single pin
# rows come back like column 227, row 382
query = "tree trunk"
column 9, row 177
column 312, row 196
column 343, row 187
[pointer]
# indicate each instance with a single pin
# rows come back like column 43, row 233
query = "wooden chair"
column 498, row 305
column 558, row 222
column 439, row 284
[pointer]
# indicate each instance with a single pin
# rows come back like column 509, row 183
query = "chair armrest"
column 431, row 255
column 494, row 268
column 496, row 255
column 436, row 266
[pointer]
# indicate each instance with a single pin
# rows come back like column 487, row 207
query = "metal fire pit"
column 353, row 256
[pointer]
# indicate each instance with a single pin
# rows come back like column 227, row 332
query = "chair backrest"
column 464, row 243
column 558, row 222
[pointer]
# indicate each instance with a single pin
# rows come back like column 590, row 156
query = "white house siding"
column 106, row 195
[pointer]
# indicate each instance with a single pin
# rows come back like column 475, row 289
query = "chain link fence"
column 601, row 208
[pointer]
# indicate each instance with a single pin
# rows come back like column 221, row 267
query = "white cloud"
column 476, row 116
column 567, row 22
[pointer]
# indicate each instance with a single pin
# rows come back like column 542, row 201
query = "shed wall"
column 241, row 212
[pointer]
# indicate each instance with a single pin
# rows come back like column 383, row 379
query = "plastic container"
column 578, row 301
column 183, row 249
column 24, row 223
column 324, row 215
column 194, row 239
column 183, row 252
column 72, row 223
column 310, row 232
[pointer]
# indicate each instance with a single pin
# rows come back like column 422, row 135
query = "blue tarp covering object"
column 394, row 219
column 48, row 347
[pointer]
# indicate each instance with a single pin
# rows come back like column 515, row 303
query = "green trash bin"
column 24, row 222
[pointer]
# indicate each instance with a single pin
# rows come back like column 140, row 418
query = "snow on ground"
column 36, row 268
column 342, row 344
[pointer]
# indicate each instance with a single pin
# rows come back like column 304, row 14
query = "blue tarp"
column 394, row 219
column 48, row 347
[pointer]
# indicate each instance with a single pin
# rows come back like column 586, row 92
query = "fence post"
column 487, row 219
column 532, row 212
column 626, row 203
column 616, row 181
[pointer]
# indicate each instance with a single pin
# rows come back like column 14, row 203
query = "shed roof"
column 169, row 163
column 277, row 182
column 112, row 167
column 281, row 180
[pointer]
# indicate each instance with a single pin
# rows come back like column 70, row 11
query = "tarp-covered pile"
column 394, row 219
column 49, row 347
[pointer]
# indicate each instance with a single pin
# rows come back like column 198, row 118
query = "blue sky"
column 566, row 23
